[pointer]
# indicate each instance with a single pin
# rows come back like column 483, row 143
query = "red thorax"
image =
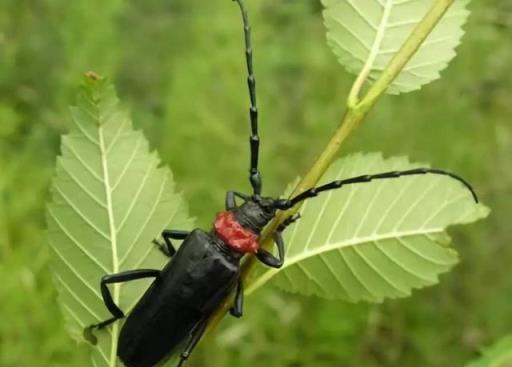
column 238, row 238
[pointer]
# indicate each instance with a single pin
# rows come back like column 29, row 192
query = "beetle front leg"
column 238, row 305
column 270, row 260
column 114, row 309
column 266, row 257
column 167, row 247
column 231, row 199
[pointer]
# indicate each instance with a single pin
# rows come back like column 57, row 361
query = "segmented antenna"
column 254, row 140
column 287, row 204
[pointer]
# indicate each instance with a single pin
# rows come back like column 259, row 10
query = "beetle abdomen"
column 146, row 346
column 189, row 288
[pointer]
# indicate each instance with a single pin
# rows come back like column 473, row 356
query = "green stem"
column 355, row 114
column 350, row 121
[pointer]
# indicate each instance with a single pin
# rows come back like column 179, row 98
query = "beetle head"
column 256, row 212
column 266, row 204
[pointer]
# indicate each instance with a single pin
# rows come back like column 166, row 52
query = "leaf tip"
column 93, row 81
column 95, row 87
column 483, row 211
column 92, row 76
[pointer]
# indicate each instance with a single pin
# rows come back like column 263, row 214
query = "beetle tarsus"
column 167, row 248
column 163, row 248
column 290, row 220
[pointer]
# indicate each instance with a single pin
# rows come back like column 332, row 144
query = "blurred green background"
column 179, row 65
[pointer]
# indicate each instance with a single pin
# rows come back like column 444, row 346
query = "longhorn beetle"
column 200, row 274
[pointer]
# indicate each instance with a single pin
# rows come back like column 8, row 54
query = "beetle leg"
column 291, row 219
column 278, row 237
column 116, row 312
column 196, row 335
column 270, row 260
column 267, row 258
column 167, row 247
column 230, row 199
column 238, row 306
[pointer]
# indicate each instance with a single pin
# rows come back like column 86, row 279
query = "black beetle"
column 206, row 267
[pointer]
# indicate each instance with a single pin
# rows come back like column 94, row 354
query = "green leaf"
column 109, row 198
column 375, row 240
column 498, row 355
column 367, row 34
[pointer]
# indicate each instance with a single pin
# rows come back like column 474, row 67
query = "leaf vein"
column 80, row 214
column 355, row 275
column 128, row 164
column 84, row 131
column 84, row 189
column 399, row 263
column 137, row 194
column 376, row 270
column 334, row 274
column 148, row 218
column 144, row 257
column 75, row 296
column 320, row 215
column 406, row 244
column 76, row 242
column 362, row 15
column 74, row 271
column 118, row 133
column 415, row 203
column 82, row 162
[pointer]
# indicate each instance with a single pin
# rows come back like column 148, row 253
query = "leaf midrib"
column 377, row 43
column 267, row 275
column 113, row 236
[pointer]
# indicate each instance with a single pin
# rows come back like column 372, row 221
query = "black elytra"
column 175, row 309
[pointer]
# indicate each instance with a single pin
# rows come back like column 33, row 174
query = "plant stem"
column 350, row 121
column 355, row 114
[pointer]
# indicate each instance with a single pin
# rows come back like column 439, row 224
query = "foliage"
column 376, row 240
column 366, row 35
column 498, row 355
column 109, row 199
column 186, row 89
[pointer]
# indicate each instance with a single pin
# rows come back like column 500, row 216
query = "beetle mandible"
column 206, row 267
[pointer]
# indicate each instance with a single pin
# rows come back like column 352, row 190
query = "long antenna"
column 254, row 140
column 286, row 204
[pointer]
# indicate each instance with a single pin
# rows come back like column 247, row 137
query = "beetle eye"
column 269, row 208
